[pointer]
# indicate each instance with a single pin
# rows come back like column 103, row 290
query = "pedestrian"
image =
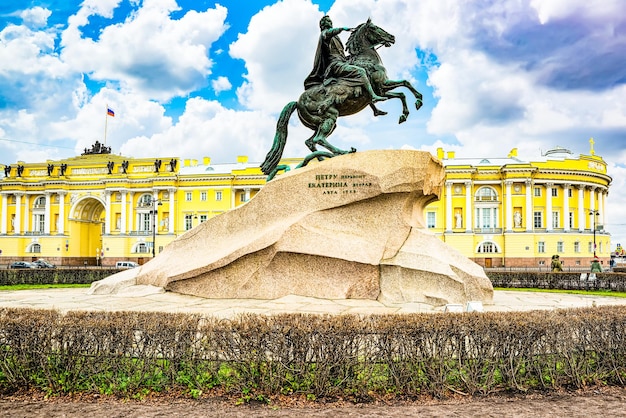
column 595, row 266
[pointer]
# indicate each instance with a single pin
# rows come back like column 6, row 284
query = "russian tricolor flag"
column 110, row 112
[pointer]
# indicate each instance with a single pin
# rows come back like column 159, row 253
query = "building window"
column 40, row 221
column 538, row 219
column 555, row 192
column 34, row 248
column 188, row 222
column 571, row 219
column 203, row 196
column 242, row 197
column 559, row 247
column 145, row 222
column 577, row 247
column 188, row 196
column 541, row 247
column 142, row 248
column 537, row 191
column 486, row 194
column 203, row 218
column 590, row 247
column 569, row 192
column 487, row 247
column 145, row 200
column 218, row 195
column 430, row 219
column 40, row 203
column 555, row 219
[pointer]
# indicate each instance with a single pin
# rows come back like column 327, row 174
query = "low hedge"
column 53, row 276
column 354, row 357
column 559, row 280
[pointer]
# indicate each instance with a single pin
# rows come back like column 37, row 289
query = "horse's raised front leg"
column 402, row 97
column 392, row 84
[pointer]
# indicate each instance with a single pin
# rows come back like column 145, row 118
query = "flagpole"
column 106, row 120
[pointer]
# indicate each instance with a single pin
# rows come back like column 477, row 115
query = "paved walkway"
column 78, row 300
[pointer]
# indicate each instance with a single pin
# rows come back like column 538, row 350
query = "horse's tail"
column 280, row 139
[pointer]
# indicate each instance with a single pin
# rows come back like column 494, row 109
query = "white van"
column 126, row 265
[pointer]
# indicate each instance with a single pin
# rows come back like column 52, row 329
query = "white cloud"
column 221, row 84
column 278, row 49
column 37, row 17
column 150, row 53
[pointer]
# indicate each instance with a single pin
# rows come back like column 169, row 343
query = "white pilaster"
column 549, row 225
column 468, row 206
column 509, row 206
column 61, row 226
column 107, row 212
column 3, row 219
column 530, row 222
column 581, row 208
column 448, row 206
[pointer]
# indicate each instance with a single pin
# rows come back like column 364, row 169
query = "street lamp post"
column 155, row 203
column 595, row 213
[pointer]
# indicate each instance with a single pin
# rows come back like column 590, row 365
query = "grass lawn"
column 41, row 286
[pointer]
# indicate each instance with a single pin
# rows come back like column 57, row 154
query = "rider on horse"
column 331, row 62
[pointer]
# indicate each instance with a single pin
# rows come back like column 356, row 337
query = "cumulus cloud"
column 221, row 84
column 150, row 53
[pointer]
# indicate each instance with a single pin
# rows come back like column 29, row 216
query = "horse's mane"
column 354, row 44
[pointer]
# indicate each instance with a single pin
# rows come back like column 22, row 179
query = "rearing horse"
column 320, row 106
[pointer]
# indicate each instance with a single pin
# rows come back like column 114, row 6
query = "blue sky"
column 198, row 78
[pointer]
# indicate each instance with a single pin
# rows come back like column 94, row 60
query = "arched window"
column 40, row 202
column 34, row 248
column 141, row 247
column 486, row 194
column 487, row 247
column 145, row 200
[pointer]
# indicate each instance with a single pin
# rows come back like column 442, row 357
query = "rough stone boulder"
column 347, row 227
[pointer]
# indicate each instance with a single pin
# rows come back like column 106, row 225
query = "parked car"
column 22, row 265
column 126, row 265
column 43, row 264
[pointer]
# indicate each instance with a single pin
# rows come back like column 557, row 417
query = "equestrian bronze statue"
column 339, row 85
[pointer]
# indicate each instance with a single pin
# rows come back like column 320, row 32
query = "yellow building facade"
column 507, row 212
column 99, row 208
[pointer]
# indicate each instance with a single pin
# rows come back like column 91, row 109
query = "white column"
column 26, row 213
column 123, row 214
column 509, row 206
column 468, row 206
column 46, row 216
column 172, row 193
column 61, row 225
column 246, row 194
column 581, row 208
column 592, row 207
column 18, row 213
column 530, row 222
column 131, row 213
column 549, row 225
column 3, row 220
column 107, row 212
column 601, row 206
column 566, row 207
column 448, row 206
